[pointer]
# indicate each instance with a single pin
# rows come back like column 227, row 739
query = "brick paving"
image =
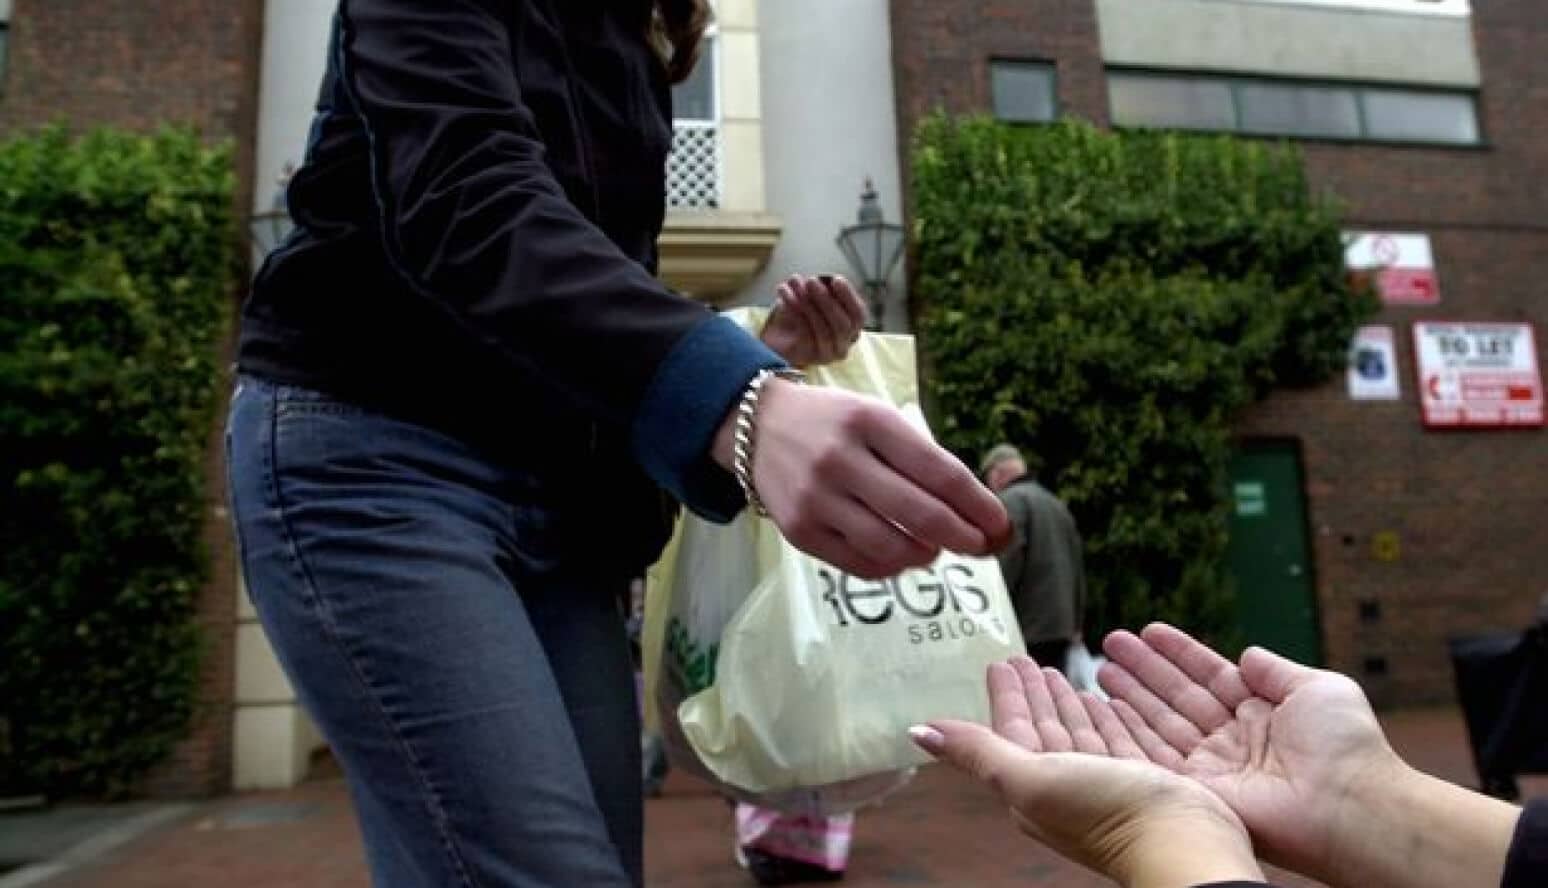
column 940, row 831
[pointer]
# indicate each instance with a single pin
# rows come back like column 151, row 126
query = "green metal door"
column 1269, row 554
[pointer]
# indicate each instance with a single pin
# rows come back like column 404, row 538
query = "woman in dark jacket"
column 462, row 390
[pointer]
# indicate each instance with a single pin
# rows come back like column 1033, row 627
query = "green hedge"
column 116, row 271
column 1111, row 302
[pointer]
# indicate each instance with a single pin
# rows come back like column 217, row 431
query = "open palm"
column 1281, row 744
column 1076, row 779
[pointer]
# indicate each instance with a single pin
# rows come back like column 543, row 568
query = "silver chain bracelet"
column 747, row 433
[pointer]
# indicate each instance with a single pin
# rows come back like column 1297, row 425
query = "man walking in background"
column 1043, row 569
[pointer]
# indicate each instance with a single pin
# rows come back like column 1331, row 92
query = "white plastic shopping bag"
column 1081, row 666
column 792, row 685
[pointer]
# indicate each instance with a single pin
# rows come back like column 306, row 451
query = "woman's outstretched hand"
column 1077, row 779
column 1298, row 754
column 849, row 481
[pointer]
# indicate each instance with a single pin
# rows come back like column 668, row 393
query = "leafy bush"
column 116, row 270
column 1111, row 302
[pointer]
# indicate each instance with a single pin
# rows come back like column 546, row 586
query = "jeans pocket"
column 291, row 400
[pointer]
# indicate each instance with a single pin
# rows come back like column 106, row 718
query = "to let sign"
column 1478, row 375
column 1401, row 266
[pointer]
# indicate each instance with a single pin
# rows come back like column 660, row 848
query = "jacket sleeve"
column 1077, row 567
column 473, row 219
column 1527, row 863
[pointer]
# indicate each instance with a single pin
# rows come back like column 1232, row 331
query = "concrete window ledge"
column 712, row 255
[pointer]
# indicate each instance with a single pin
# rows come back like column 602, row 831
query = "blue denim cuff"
column 694, row 388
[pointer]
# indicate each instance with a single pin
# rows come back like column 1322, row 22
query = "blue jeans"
column 471, row 674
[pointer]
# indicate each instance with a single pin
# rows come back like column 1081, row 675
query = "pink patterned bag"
column 818, row 841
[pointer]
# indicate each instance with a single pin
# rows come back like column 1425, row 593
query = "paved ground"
column 940, row 831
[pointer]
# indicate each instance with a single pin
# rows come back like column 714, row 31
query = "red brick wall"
column 941, row 51
column 141, row 64
column 137, row 64
column 1470, row 508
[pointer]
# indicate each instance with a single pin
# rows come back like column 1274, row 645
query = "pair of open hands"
column 1193, row 762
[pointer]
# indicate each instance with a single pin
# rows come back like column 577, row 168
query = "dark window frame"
column 5, row 51
column 1051, row 66
column 1235, row 79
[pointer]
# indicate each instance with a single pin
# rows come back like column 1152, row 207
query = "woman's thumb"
column 1270, row 676
column 979, row 752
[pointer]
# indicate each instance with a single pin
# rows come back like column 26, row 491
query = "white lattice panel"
column 693, row 169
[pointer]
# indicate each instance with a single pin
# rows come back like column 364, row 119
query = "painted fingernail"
column 927, row 738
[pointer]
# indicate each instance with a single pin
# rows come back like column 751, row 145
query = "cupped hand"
column 815, row 320
column 1286, row 747
column 1077, row 779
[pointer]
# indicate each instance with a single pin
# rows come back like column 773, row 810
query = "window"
column 1171, row 102
column 1304, row 109
column 1408, row 116
column 694, row 98
column 1412, row 7
column 1299, row 110
column 693, row 167
column 1023, row 92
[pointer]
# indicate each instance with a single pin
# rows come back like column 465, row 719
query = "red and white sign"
column 1478, row 375
column 1402, row 264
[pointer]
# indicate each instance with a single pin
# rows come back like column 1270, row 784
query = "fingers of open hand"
column 1149, row 742
column 1073, row 715
column 1009, row 708
column 1206, row 668
column 981, row 524
column 1044, row 710
column 1184, row 695
column 1178, row 731
column 1120, row 741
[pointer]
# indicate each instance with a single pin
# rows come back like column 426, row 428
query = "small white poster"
column 1373, row 372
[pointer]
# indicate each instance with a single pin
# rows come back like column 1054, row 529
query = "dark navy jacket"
column 476, row 217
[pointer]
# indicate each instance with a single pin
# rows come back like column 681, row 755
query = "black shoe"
column 770, row 870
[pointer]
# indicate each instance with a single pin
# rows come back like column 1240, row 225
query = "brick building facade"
column 1467, row 508
column 140, row 65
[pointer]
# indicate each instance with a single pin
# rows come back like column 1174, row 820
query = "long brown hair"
column 678, row 28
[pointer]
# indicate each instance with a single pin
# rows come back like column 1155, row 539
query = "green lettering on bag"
column 693, row 665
